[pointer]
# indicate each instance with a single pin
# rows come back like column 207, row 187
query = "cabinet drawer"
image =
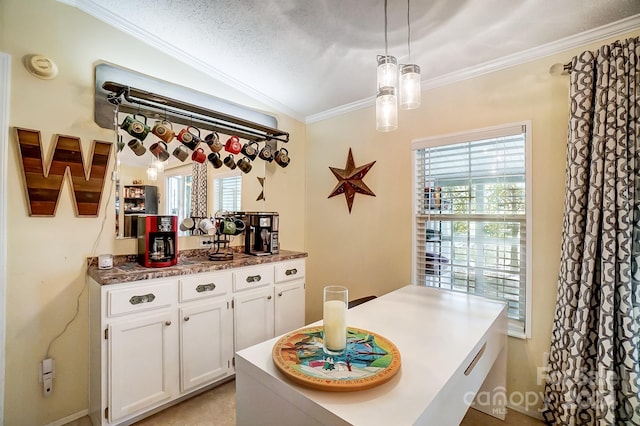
column 199, row 286
column 287, row 271
column 140, row 298
column 252, row 277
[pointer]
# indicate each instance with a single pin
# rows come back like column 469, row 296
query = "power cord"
column 93, row 253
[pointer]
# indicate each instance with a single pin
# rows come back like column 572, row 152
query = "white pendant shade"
column 387, row 71
column 152, row 172
column 386, row 109
column 410, row 93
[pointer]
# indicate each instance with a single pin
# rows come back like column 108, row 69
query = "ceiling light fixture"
column 409, row 75
column 386, row 99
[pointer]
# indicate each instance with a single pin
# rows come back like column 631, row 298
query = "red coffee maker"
column 157, row 241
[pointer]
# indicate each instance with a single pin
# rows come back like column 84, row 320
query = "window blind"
column 227, row 193
column 470, row 218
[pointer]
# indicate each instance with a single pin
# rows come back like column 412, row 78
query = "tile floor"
column 217, row 407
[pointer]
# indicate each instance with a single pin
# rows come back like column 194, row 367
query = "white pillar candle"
column 335, row 325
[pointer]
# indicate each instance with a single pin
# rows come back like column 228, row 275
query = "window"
column 178, row 192
column 227, row 192
column 471, row 201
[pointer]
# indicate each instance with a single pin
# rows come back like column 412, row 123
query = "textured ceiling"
column 309, row 56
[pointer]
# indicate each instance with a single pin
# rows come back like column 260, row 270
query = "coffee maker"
column 157, row 241
column 261, row 233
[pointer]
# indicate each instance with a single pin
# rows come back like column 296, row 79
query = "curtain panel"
column 594, row 370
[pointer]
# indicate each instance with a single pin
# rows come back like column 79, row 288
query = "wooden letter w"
column 43, row 187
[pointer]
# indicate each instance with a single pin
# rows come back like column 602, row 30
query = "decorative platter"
column 369, row 360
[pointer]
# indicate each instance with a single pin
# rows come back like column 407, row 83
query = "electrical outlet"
column 47, row 373
column 206, row 241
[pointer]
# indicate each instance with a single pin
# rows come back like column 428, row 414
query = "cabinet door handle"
column 475, row 360
column 268, row 297
column 186, row 318
column 167, row 323
column 205, row 287
column 253, row 278
column 291, row 271
column 280, row 294
column 145, row 298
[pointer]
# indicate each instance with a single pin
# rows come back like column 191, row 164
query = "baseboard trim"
column 70, row 418
column 531, row 413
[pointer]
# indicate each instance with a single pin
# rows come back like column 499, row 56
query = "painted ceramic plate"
column 369, row 360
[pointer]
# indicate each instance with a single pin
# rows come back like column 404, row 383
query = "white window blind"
column 470, row 218
column 227, row 193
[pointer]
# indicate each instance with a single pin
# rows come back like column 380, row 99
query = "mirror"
column 148, row 186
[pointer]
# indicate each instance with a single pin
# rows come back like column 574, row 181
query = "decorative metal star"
column 350, row 180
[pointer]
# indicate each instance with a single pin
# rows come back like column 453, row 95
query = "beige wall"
column 46, row 256
column 369, row 250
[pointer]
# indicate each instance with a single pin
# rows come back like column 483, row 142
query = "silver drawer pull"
column 475, row 360
column 291, row 271
column 167, row 323
column 145, row 298
column 253, row 278
column 205, row 287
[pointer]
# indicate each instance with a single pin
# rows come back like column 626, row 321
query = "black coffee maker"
column 261, row 233
column 157, row 241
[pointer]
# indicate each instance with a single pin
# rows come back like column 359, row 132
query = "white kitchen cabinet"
column 141, row 351
column 206, row 343
column 253, row 317
column 289, row 296
column 263, row 310
column 289, row 307
column 154, row 342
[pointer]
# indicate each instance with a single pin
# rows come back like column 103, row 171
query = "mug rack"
column 132, row 100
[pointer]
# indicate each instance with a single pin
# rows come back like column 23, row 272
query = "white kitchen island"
column 452, row 346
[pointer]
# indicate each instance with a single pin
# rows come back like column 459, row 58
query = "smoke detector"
column 40, row 66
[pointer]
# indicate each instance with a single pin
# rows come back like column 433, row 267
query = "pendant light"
column 386, row 99
column 410, row 91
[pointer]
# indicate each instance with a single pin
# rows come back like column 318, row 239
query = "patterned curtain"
column 199, row 190
column 594, row 369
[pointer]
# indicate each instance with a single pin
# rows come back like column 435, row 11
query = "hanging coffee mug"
column 229, row 162
column 250, row 150
column 181, row 153
column 137, row 147
column 233, row 145
column 135, row 127
column 213, row 140
column 190, row 139
column 164, row 130
column 244, row 164
column 266, row 154
column 214, row 159
column 282, row 157
column 199, row 155
column 159, row 149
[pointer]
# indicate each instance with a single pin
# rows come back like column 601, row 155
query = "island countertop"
column 127, row 269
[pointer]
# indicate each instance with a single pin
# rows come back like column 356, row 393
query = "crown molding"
column 610, row 30
column 600, row 33
column 105, row 15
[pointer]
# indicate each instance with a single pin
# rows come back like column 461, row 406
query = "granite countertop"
column 127, row 269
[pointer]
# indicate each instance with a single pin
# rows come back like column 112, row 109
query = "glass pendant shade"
column 152, row 172
column 386, row 109
column 387, row 71
column 410, row 92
